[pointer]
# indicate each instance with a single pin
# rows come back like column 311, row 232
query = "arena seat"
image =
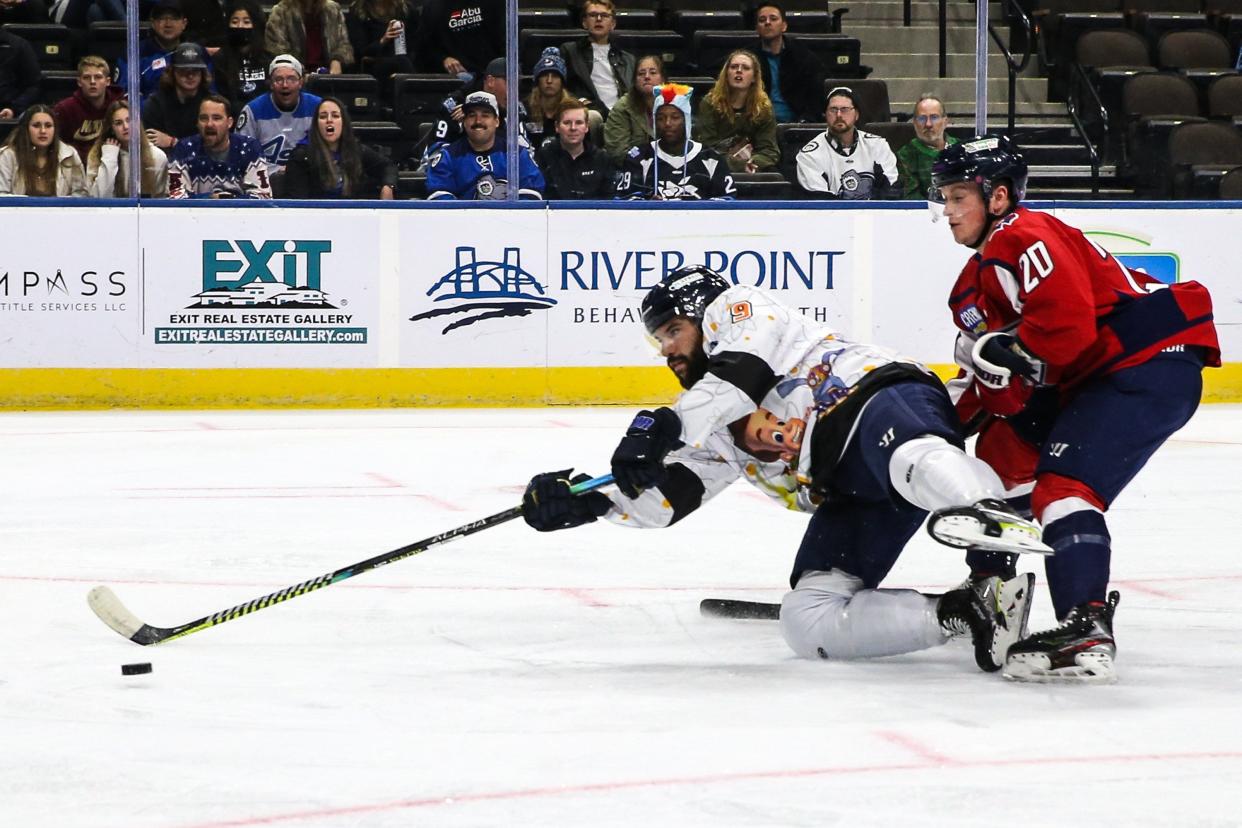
column 1231, row 184
column 360, row 93
column 51, row 42
column 873, row 103
column 791, row 138
column 57, row 84
column 1199, row 156
column 1154, row 105
column 107, row 38
column 1225, row 99
column 764, row 186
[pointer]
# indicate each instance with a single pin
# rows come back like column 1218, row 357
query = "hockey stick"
column 744, row 610
column 111, row 611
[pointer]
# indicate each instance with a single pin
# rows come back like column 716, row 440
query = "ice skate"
column 1080, row 650
column 989, row 524
column 993, row 611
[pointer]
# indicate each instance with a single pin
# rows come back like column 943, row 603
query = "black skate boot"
column 1080, row 650
column 993, row 611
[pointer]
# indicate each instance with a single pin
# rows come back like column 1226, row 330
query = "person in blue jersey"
column 216, row 163
column 155, row 52
column 281, row 119
column 474, row 167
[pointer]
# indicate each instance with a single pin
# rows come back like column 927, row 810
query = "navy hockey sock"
column 1078, row 572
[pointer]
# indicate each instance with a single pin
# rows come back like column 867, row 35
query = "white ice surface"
column 513, row 678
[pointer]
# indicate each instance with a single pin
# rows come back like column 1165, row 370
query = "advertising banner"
column 251, row 289
column 69, row 289
column 563, row 287
column 493, row 288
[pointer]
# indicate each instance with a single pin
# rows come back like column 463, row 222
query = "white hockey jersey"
column 864, row 170
column 762, row 355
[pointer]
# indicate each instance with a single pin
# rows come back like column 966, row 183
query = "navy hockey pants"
column 862, row 527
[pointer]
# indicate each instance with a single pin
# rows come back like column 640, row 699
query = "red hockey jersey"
column 1072, row 304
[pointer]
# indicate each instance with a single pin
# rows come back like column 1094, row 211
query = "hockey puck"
column 135, row 669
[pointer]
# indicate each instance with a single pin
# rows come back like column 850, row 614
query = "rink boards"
column 434, row 305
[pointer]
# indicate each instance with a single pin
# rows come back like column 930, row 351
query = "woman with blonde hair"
column 35, row 162
column 107, row 164
column 736, row 118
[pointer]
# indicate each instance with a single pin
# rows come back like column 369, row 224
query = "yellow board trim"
column 91, row 388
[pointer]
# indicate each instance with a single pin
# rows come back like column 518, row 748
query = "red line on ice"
column 585, row 596
column 670, row 782
column 916, row 747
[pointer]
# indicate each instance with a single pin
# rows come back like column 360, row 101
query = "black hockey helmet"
column 983, row 160
column 686, row 292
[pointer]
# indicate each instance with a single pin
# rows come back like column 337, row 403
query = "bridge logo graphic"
column 476, row 290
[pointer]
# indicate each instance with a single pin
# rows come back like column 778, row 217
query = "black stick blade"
column 746, row 610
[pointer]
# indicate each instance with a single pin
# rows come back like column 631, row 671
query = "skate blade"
column 1034, row 668
column 965, row 532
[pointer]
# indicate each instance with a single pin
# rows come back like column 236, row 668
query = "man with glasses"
column 281, row 119
column 915, row 159
column 598, row 70
column 792, row 75
column 80, row 117
column 845, row 162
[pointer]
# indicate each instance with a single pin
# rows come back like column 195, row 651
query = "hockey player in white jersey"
column 865, row 440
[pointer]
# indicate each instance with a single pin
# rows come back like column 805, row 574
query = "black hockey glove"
column 638, row 462
column 998, row 357
column 548, row 504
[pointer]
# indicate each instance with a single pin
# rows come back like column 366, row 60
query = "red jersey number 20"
column 1036, row 265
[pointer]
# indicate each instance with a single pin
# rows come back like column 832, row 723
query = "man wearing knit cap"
column 845, row 162
column 281, row 119
column 673, row 167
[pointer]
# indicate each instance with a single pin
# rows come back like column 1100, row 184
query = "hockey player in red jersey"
column 1075, row 370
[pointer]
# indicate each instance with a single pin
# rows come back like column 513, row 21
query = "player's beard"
column 695, row 367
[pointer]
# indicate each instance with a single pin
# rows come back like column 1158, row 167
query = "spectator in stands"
column 598, row 70
column 313, row 31
column 78, row 14
column 107, row 164
column 334, row 164
column 215, row 163
column 206, row 19
column 845, row 162
column 23, row 11
column 449, row 127
column 172, row 112
column 19, row 75
column 572, row 166
column 168, row 24
column 915, row 159
column 35, row 162
column 792, row 75
column 281, row 119
column 672, row 167
column 629, row 122
column 473, row 167
column 461, row 38
column 546, row 96
column 81, row 116
column 241, row 64
column 736, row 118
column 383, row 33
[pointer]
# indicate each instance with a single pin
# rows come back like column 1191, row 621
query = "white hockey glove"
column 997, row 357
